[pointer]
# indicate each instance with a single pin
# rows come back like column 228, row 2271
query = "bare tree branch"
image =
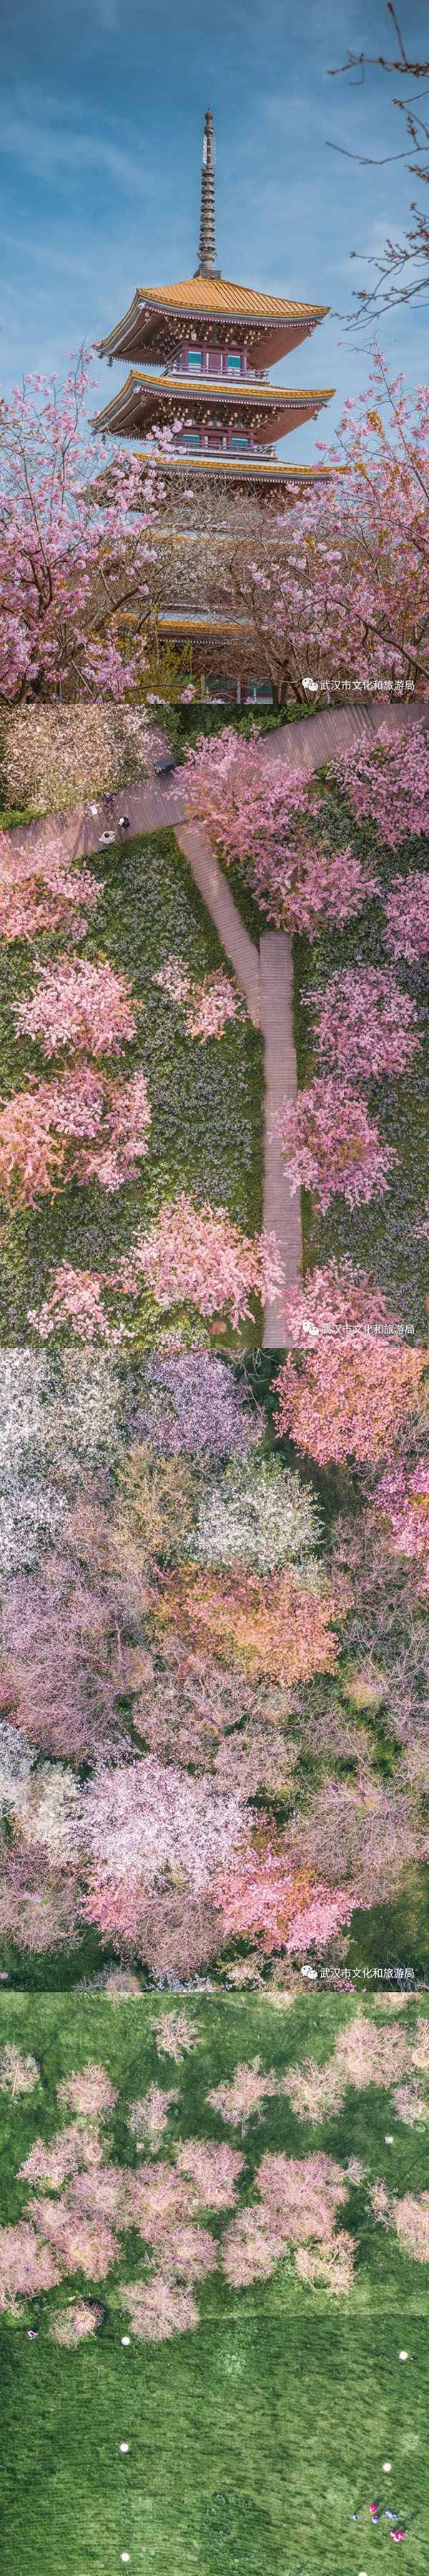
column 403, row 271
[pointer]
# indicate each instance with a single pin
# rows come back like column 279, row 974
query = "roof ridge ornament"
column 207, row 259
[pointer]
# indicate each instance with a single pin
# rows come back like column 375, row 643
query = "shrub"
column 73, row 2324
column 18, row 2074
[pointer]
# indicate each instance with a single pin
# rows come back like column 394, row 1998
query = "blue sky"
column 102, row 110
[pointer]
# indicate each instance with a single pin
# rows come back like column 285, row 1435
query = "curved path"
column 265, row 977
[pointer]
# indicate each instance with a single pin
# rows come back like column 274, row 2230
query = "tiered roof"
column 145, row 399
column 270, row 324
column 155, row 329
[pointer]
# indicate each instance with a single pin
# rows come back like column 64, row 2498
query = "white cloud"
column 56, row 140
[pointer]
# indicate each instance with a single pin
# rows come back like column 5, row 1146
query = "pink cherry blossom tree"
column 88, row 1007
column 189, row 1256
column 196, row 1256
column 407, row 918
column 262, row 1896
column 338, row 593
column 75, row 1300
column 356, row 1383
column 76, row 545
column 209, row 1005
column 363, row 1023
column 331, row 1146
column 83, row 1126
column 40, row 891
column 403, row 1498
column 387, row 783
column 267, row 819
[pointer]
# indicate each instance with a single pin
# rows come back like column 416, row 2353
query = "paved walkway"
column 217, row 896
column 265, row 978
column 316, row 738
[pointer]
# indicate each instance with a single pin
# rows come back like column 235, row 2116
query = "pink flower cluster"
column 211, row 1003
column 38, row 891
column 173, row 978
column 196, row 1256
column 82, row 1126
column 388, row 782
column 331, row 1305
column 88, row 1007
column 327, row 886
column 407, row 918
column 75, row 1299
column 261, row 815
column 262, row 1896
column 190, row 1256
column 330, row 1145
column 404, row 1499
column 362, row 1023
column 76, row 550
column 355, row 1386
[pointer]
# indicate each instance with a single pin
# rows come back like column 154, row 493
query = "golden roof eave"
column 274, row 396
column 214, row 299
column 250, row 468
column 219, row 389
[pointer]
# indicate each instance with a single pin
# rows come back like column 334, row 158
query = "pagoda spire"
column 207, row 259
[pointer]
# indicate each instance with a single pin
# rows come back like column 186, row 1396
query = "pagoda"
column 212, row 344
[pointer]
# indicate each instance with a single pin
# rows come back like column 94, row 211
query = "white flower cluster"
column 17, row 1759
column 55, row 1413
column 81, row 1406
column 42, row 1801
column 256, row 1513
column 22, row 1378
column 55, row 1407
column 142, row 1818
column 53, row 756
column 30, row 1515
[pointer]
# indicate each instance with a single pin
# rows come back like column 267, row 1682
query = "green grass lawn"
column 253, row 2440
column 12, row 817
column 206, row 1101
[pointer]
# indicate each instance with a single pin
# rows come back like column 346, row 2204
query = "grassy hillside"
column 253, row 2440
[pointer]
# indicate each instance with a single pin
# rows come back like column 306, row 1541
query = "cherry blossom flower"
column 214, row 2170
column 331, row 1146
column 88, row 1007
column 356, row 1385
column 362, row 1022
column 387, row 782
column 72, row 2325
column 197, row 1257
column 18, row 2074
column 239, row 2101
column 407, row 918
column 39, row 891
column 81, row 1126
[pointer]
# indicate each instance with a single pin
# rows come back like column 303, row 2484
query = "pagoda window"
column 195, row 361
column 238, row 443
column 191, row 438
column 234, row 362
